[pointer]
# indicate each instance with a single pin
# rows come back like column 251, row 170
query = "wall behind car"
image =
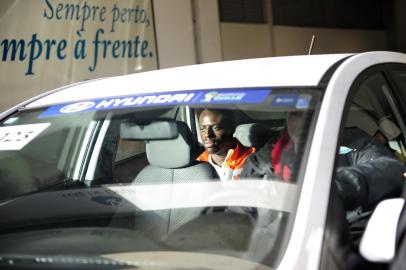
column 286, row 28
column 175, row 33
column 290, row 40
column 46, row 44
column 171, row 34
column 180, row 32
column 253, row 40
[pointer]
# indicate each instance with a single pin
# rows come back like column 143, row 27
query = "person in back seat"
column 367, row 172
column 225, row 153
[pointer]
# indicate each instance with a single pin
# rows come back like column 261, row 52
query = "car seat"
column 172, row 161
column 360, row 118
column 253, row 134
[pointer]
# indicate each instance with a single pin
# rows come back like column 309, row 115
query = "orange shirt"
column 234, row 162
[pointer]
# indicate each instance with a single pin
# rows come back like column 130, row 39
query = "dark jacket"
column 366, row 175
column 367, row 172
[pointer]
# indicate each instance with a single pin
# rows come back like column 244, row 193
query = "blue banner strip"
column 224, row 96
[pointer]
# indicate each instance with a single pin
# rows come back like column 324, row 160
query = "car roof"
column 260, row 72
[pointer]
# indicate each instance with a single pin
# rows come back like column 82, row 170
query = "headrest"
column 389, row 129
column 253, row 134
column 172, row 153
column 361, row 119
column 155, row 130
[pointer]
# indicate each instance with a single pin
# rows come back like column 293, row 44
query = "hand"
column 351, row 187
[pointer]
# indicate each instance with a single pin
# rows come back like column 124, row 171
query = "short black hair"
column 228, row 117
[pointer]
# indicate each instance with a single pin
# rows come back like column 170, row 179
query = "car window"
column 46, row 151
column 375, row 98
column 371, row 152
column 400, row 77
column 143, row 167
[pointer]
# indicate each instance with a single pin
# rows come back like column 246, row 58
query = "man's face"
column 215, row 133
column 295, row 127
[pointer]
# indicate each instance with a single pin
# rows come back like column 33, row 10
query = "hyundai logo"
column 77, row 107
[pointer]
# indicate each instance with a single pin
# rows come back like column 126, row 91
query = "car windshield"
column 214, row 174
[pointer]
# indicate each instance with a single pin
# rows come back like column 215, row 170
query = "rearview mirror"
column 156, row 130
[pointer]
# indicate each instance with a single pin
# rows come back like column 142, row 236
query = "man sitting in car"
column 225, row 153
column 367, row 172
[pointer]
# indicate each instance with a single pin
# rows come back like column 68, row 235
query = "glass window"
column 39, row 153
column 152, row 173
column 371, row 152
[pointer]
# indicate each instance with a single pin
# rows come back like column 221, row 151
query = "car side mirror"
column 378, row 242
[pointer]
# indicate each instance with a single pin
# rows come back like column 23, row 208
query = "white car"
column 103, row 173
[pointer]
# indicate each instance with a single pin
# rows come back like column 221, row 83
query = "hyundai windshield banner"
column 233, row 96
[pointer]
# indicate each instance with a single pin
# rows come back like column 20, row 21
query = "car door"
column 375, row 106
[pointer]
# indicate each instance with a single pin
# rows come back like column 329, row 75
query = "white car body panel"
column 306, row 240
column 263, row 72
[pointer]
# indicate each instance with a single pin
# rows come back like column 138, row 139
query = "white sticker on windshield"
column 16, row 137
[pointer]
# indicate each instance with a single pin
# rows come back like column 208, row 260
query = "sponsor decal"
column 303, row 102
column 16, row 137
column 208, row 97
column 221, row 97
column 257, row 95
column 291, row 100
column 77, row 107
column 284, row 100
